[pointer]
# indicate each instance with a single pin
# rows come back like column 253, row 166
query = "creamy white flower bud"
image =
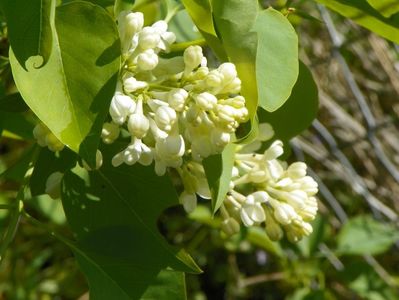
column 297, row 170
column 148, row 38
column 284, row 213
column 138, row 125
column 110, row 132
column 189, row 201
column 121, row 107
column 39, row 132
column 147, row 60
column 177, row 99
column 53, row 185
column 214, row 78
column 220, row 138
column 229, row 72
column 165, row 117
column 274, row 151
column 235, row 172
column 99, row 162
column 225, row 112
column 201, row 73
column 131, row 84
column 257, row 175
column 192, row 57
column 205, row 100
column 130, row 23
column 230, row 226
column 296, row 199
column 171, row 147
column 233, row 87
column 167, row 38
column 201, row 146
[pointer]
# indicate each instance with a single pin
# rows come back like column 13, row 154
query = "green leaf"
column 234, row 20
column 386, row 7
column 364, row 235
column 18, row 170
column 218, row 170
column 72, row 92
column 13, row 103
column 113, row 213
column 167, row 285
column 16, row 124
column 121, row 5
column 300, row 109
column 362, row 278
column 365, row 15
column 29, row 29
column 184, row 28
column 201, row 14
column 276, row 58
column 47, row 163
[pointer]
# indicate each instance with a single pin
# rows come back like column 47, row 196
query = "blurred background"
column 352, row 150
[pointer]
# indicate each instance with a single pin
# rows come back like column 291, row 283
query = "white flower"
column 266, row 132
column 192, row 57
column 148, row 38
column 166, row 38
column 53, row 185
column 214, row 78
column 137, row 152
column 189, row 201
column 171, row 147
column 283, row 212
column 147, row 60
column 131, row 84
column 252, row 210
column 229, row 72
column 129, row 24
column 121, row 107
column 110, row 132
column 177, row 99
column 274, row 151
column 138, row 125
column 220, row 138
column 40, row 132
column 165, row 117
column 205, row 101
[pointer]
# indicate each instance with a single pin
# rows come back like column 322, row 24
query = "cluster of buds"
column 172, row 107
column 46, row 138
column 266, row 190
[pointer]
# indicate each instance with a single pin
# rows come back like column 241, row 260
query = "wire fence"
column 353, row 145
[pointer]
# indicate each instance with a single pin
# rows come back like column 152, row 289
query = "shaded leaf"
column 113, row 213
column 201, row 14
column 47, row 163
column 29, row 29
column 364, row 235
column 258, row 237
column 386, row 7
column 72, row 92
column 121, row 5
column 16, row 125
column 218, row 169
column 365, row 15
column 300, row 109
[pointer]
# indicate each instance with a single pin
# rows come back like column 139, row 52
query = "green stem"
column 179, row 47
column 7, row 206
column 12, row 228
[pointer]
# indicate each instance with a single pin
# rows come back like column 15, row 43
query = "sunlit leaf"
column 298, row 112
column 276, row 58
column 72, row 92
column 218, row 169
column 365, row 15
